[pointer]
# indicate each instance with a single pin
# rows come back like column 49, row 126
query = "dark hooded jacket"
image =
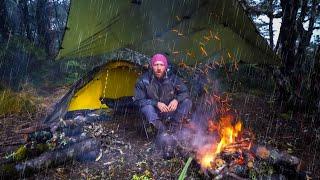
column 149, row 90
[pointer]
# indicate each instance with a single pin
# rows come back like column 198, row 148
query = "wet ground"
column 127, row 153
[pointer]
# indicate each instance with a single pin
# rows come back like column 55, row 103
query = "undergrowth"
column 22, row 102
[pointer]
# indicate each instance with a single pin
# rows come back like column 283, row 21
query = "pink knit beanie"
column 159, row 57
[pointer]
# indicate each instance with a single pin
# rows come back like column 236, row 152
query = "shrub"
column 16, row 103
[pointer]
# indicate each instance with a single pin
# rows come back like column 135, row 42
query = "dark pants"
column 152, row 113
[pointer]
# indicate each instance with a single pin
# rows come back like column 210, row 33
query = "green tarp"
column 188, row 31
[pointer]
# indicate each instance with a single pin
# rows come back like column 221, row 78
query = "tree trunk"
column 4, row 30
column 305, row 35
column 270, row 15
column 43, row 25
column 316, row 77
column 288, row 33
column 23, row 5
column 317, row 57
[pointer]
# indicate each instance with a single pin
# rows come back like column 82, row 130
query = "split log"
column 84, row 150
column 275, row 156
column 236, row 146
column 27, row 129
column 64, row 123
column 40, row 133
column 25, row 152
column 229, row 175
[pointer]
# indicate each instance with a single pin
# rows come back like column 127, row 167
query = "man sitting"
column 161, row 95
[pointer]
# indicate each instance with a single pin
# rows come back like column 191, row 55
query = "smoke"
column 194, row 135
column 207, row 107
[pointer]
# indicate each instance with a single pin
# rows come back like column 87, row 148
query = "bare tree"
column 305, row 35
column 4, row 28
column 288, row 33
column 25, row 19
column 299, row 19
column 43, row 24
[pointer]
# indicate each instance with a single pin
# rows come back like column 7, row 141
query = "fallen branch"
column 84, row 150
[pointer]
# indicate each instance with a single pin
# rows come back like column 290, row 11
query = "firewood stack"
column 47, row 145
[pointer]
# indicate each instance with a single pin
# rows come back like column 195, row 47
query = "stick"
column 235, row 176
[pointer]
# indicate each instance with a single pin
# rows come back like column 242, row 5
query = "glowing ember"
column 203, row 51
column 228, row 134
column 206, row 158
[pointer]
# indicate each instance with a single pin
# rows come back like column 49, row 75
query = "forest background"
column 31, row 32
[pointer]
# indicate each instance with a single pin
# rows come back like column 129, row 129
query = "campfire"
column 230, row 151
column 230, row 142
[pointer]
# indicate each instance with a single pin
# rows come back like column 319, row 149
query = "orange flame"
column 228, row 134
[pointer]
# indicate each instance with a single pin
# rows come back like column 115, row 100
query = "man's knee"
column 187, row 103
column 147, row 109
column 185, row 106
column 150, row 113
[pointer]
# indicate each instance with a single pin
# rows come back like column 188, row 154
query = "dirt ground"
column 126, row 152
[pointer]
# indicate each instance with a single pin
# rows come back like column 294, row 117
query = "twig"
column 235, row 176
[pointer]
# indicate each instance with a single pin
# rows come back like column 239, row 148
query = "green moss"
column 26, row 152
column 145, row 176
column 20, row 153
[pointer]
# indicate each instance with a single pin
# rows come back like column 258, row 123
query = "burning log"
column 233, row 147
column 233, row 155
column 258, row 162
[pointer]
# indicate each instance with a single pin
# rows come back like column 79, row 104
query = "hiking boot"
column 174, row 127
column 159, row 126
column 186, row 120
column 168, row 153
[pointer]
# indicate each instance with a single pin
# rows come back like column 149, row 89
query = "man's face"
column 158, row 69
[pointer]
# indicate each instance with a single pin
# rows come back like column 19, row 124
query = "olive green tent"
column 187, row 31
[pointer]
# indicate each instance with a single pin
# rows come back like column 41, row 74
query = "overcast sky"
column 276, row 27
